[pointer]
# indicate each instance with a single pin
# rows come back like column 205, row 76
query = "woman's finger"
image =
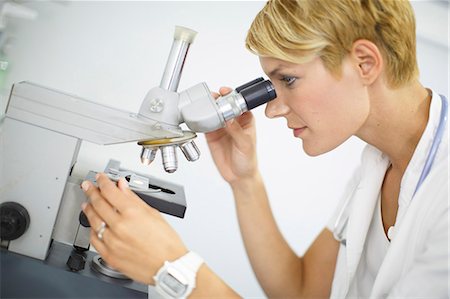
column 215, row 95
column 100, row 204
column 111, row 193
column 225, row 90
column 94, row 219
column 100, row 245
column 237, row 133
column 132, row 197
column 100, row 230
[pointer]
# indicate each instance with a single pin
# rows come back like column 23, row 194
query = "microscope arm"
column 81, row 118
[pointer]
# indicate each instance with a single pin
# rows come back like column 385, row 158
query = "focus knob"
column 76, row 261
column 14, row 220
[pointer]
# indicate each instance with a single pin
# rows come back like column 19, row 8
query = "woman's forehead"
column 273, row 66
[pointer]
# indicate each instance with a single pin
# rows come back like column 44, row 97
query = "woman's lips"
column 299, row 131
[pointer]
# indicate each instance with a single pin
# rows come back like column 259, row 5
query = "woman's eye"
column 288, row 80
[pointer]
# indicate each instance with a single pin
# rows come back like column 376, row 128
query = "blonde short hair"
column 298, row 30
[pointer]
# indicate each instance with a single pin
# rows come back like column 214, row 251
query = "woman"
column 340, row 68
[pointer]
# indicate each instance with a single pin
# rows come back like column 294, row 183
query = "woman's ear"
column 368, row 59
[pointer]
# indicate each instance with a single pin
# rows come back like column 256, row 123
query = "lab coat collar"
column 375, row 165
column 415, row 166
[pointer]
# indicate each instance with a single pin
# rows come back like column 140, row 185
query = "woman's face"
column 321, row 109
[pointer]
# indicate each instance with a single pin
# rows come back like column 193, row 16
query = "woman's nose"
column 276, row 108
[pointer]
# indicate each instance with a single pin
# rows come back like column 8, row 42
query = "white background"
column 114, row 52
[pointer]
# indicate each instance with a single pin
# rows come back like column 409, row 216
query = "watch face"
column 172, row 285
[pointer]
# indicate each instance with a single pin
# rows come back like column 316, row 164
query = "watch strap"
column 190, row 260
column 186, row 266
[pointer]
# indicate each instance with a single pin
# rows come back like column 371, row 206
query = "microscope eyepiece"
column 258, row 94
column 246, row 97
column 248, row 84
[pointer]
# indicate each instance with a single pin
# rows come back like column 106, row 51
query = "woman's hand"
column 233, row 148
column 137, row 240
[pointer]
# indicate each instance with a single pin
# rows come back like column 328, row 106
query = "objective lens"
column 169, row 158
column 148, row 155
column 190, row 151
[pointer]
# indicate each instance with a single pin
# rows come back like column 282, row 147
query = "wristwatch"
column 176, row 280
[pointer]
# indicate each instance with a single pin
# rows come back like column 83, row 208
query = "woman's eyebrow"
column 275, row 71
column 282, row 69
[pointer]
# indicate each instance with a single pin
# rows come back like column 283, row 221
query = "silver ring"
column 101, row 230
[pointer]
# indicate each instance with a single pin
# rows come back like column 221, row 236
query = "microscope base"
column 25, row 277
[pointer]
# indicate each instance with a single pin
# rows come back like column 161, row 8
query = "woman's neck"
column 396, row 122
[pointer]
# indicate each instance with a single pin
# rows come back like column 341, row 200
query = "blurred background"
column 113, row 52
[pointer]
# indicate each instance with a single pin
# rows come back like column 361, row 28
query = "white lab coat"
column 417, row 261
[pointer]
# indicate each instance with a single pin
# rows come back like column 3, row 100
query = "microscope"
column 44, row 235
